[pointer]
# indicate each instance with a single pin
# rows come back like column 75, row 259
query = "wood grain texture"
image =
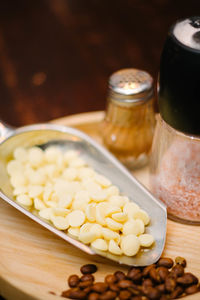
column 34, row 261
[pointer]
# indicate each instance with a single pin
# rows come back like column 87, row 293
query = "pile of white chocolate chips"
column 64, row 190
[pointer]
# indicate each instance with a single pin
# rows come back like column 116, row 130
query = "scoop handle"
column 5, row 130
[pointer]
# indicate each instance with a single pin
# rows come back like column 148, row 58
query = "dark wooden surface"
column 56, row 55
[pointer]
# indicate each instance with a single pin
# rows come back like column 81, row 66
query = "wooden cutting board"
column 34, row 262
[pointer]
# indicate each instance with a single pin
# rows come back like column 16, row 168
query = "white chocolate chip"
column 113, row 224
column 109, row 234
column 146, row 240
column 142, row 215
column 133, row 227
column 76, row 218
column 100, row 244
column 74, row 231
column 60, row 222
column 35, row 156
column 130, row 245
column 24, row 200
column 114, row 248
column 90, row 212
column 120, row 217
column 39, row 204
column 102, row 180
column 130, row 209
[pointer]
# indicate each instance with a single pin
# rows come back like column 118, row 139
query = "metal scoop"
column 45, row 135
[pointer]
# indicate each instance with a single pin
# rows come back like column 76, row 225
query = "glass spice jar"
column 175, row 159
column 128, row 127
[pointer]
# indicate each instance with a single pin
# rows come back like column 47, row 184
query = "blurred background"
column 56, row 55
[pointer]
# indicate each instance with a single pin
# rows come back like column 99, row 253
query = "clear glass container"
column 175, row 172
column 128, row 127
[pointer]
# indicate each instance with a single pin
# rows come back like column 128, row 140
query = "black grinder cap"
column 179, row 82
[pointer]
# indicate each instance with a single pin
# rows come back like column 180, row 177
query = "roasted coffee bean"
column 93, row 296
column 154, row 275
column 120, row 275
column 113, row 287
column 177, row 292
column 147, row 269
column 87, row 277
column 152, row 293
column 177, row 271
column 165, row 297
column 187, row 279
column 192, row 289
column 136, row 290
column 124, row 284
column 74, row 293
column 180, row 261
column 66, row 293
column 162, row 273
column 88, row 289
column 147, row 282
column 73, row 280
column 170, row 284
column 82, row 285
column 134, row 274
column 100, row 287
column 124, row 295
column 110, row 279
column 108, row 295
column 139, row 298
column 161, row 287
column 165, row 262
column 88, row 269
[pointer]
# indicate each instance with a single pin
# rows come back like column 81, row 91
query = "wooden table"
column 35, row 262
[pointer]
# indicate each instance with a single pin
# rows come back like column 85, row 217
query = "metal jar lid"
column 130, row 86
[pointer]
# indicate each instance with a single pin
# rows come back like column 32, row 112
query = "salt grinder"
column 175, row 159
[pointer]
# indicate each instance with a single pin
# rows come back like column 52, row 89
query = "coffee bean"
column 74, row 293
column 170, row 284
column 162, row 273
column 100, row 287
column 138, row 298
column 177, row 271
column 124, row 295
column 177, row 292
column 110, row 279
column 134, row 274
column 165, row 262
column 113, row 287
column 124, row 284
column 147, row 282
column 87, row 277
column 180, row 261
column 82, row 285
column 136, row 290
column 154, row 275
column 147, row 269
column 192, row 289
column 152, row 293
column 161, row 288
column 120, row 275
column 108, row 295
column 73, row 280
column 93, row 296
column 165, row 297
column 187, row 279
column 88, row 289
column 88, row 269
